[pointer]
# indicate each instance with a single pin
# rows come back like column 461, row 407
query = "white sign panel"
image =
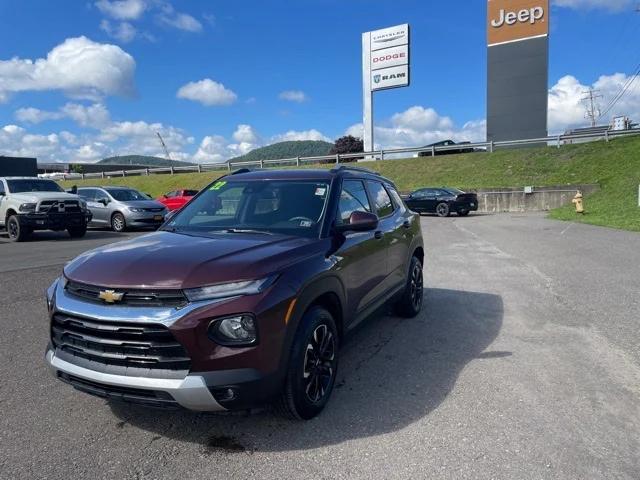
column 390, row 37
column 390, row 57
column 390, row 78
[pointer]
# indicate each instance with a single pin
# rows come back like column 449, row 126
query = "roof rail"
column 355, row 169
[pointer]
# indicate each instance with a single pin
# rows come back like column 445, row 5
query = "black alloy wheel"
column 442, row 210
column 319, row 365
column 313, row 366
column 410, row 303
column 17, row 232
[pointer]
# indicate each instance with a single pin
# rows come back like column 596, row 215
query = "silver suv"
column 29, row 203
column 122, row 207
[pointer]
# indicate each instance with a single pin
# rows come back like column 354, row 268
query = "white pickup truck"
column 29, row 203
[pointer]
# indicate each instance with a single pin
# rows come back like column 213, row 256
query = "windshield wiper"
column 246, row 230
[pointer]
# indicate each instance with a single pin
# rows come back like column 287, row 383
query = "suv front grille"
column 129, row 345
column 134, row 298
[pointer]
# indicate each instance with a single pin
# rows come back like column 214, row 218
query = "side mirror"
column 104, row 201
column 2, row 194
column 170, row 215
column 359, row 222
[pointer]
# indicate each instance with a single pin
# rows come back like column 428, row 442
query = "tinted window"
column 397, row 199
column 353, row 198
column 288, row 207
column 419, row 194
column 126, row 195
column 88, row 194
column 190, row 193
column 35, row 185
column 100, row 195
column 2, row 187
column 381, row 198
column 171, row 194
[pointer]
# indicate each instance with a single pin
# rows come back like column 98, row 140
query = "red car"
column 177, row 199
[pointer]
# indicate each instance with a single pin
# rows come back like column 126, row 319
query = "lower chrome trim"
column 191, row 392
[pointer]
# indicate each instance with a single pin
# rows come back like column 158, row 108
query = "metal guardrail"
column 554, row 140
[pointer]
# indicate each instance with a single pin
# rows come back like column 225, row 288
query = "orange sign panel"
column 513, row 20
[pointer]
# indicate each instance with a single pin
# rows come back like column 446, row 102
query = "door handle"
column 378, row 235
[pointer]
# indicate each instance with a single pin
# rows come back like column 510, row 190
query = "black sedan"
column 442, row 201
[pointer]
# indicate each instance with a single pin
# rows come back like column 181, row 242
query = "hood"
column 142, row 204
column 35, row 197
column 174, row 261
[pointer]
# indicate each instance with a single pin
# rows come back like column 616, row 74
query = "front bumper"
column 54, row 221
column 190, row 392
column 145, row 219
column 220, row 378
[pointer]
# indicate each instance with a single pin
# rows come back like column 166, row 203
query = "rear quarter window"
column 381, row 199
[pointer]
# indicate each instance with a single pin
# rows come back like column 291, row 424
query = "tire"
column 463, row 213
column 310, row 378
column 118, row 223
column 17, row 232
column 77, row 232
column 410, row 302
column 442, row 209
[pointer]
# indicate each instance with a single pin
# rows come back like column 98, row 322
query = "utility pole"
column 164, row 146
column 593, row 109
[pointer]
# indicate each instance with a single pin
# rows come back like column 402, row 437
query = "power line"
column 593, row 109
column 621, row 93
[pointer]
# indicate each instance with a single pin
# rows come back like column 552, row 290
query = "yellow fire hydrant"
column 577, row 201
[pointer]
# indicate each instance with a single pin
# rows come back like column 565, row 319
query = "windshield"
column 455, row 191
column 126, row 195
column 261, row 206
column 27, row 185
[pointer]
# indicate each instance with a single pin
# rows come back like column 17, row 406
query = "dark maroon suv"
column 243, row 297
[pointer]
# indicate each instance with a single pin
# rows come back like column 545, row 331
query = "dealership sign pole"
column 385, row 64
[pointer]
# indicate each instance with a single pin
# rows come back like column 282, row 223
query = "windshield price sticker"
column 218, row 185
column 320, row 191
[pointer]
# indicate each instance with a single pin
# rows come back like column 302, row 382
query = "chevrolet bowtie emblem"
column 110, row 296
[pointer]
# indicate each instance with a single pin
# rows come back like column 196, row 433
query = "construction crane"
column 164, row 146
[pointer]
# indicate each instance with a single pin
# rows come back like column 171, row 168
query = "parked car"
column 30, row 203
column 442, row 201
column 449, row 151
column 177, row 199
column 121, row 208
column 243, row 297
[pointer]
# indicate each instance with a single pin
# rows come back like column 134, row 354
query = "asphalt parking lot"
column 524, row 364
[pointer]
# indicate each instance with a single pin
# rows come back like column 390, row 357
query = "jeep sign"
column 515, row 20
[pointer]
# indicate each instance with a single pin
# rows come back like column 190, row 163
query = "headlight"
column 137, row 210
column 226, row 290
column 83, row 205
column 234, row 331
column 28, row 207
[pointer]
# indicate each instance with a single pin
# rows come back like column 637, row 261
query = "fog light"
column 234, row 331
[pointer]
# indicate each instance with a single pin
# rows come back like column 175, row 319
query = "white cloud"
column 418, row 126
column 35, row 115
column 122, row 9
column 612, row 5
column 123, row 31
column 567, row 108
column 79, row 67
column 207, row 92
column 93, row 116
column 181, row 21
column 297, row 96
column 246, row 134
column 293, row 135
column 213, row 149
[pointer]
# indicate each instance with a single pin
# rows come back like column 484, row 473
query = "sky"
column 81, row 80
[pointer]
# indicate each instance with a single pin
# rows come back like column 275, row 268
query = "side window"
column 397, row 199
column 2, row 190
column 420, row 194
column 353, row 198
column 384, row 206
column 171, row 194
column 100, row 195
column 87, row 194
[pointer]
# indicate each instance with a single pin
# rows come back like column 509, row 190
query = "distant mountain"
column 305, row 148
column 142, row 160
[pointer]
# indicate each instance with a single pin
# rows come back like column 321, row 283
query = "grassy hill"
column 304, row 148
column 143, row 160
column 614, row 165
